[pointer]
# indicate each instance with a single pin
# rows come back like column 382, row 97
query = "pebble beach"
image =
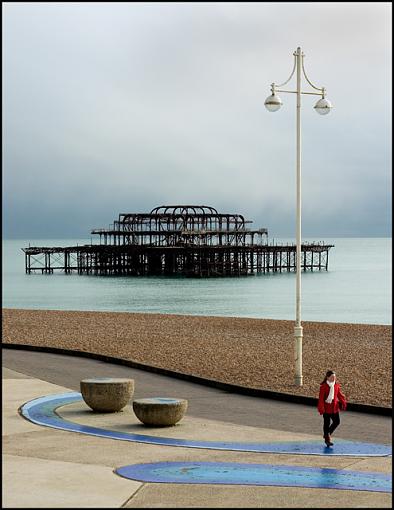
column 257, row 353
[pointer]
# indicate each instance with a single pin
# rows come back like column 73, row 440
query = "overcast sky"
column 121, row 107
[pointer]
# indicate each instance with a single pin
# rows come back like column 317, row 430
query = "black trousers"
column 328, row 427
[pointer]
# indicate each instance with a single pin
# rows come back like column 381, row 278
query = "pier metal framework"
column 177, row 240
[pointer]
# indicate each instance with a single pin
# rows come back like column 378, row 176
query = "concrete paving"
column 204, row 402
column 45, row 467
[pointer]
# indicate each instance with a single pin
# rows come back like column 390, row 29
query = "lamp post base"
column 298, row 355
column 298, row 380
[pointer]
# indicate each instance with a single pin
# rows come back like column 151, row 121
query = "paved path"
column 206, row 402
column 50, row 468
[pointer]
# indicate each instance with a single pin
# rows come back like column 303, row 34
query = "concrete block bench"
column 107, row 394
column 160, row 411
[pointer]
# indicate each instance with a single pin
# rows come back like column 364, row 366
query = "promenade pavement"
column 49, row 468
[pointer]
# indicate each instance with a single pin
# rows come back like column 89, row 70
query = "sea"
column 356, row 288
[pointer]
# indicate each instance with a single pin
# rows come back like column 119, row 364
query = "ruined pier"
column 177, row 240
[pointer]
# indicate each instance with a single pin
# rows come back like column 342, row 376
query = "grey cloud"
column 123, row 106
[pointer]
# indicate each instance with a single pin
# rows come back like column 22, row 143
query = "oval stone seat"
column 107, row 394
column 160, row 411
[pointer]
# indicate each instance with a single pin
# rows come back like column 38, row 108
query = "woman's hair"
column 330, row 372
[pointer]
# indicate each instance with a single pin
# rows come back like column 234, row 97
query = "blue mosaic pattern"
column 256, row 474
column 42, row 412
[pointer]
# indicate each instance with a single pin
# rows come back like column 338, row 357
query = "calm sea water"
column 355, row 289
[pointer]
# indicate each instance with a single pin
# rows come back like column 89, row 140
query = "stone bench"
column 160, row 411
column 107, row 394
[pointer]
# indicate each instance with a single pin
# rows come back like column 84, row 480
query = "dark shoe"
column 327, row 440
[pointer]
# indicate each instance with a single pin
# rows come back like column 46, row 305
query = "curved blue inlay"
column 256, row 474
column 42, row 412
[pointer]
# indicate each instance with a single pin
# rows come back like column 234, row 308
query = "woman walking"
column 331, row 401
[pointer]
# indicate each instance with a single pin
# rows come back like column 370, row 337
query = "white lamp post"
column 323, row 106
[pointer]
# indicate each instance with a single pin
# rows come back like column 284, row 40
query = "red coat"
column 338, row 402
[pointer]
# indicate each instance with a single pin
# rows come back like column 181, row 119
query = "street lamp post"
column 323, row 106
